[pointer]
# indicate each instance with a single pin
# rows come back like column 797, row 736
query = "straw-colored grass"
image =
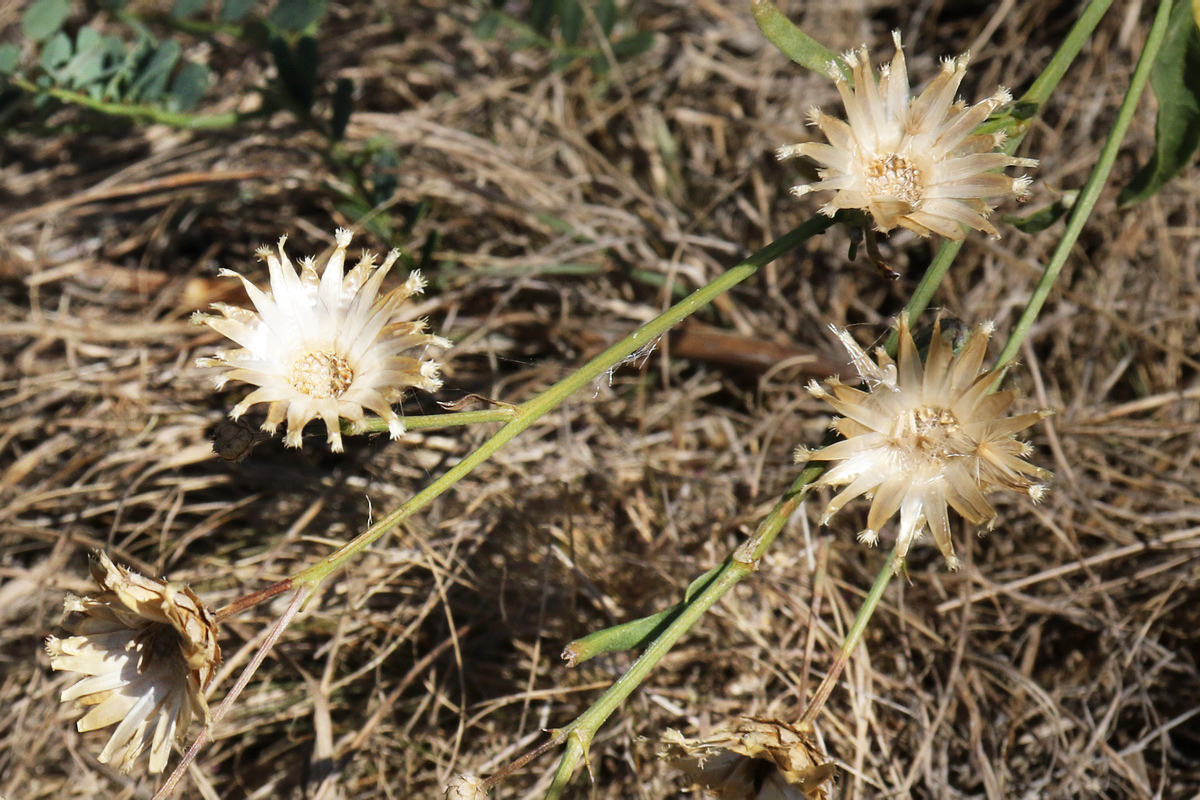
column 1060, row 662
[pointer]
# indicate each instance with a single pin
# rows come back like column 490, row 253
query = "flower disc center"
column 322, row 375
column 895, row 176
column 934, row 430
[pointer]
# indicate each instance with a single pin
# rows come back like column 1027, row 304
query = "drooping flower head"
column 147, row 650
column 756, row 759
column 324, row 344
column 910, row 162
column 921, row 437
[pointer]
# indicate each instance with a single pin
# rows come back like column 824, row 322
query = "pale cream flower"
column 910, row 162
column 924, row 437
column 759, row 759
column 324, row 344
column 465, row 787
column 148, row 649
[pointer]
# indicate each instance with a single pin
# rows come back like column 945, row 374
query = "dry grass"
column 1061, row 661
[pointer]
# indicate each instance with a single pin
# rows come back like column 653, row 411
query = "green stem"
column 582, row 730
column 1047, row 81
column 138, row 112
column 850, row 643
column 743, row 562
column 529, row 412
column 1091, row 190
column 1038, row 93
column 431, row 421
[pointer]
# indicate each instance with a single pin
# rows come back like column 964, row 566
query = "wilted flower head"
column 759, row 759
column 148, row 649
column 465, row 787
column 324, row 344
column 906, row 161
column 921, row 437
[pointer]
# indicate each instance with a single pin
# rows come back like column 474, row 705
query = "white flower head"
column 910, row 161
column 147, row 649
column 924, row 436
column 324, row 343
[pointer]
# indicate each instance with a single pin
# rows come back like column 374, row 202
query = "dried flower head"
column 924, row 436
column 323, row 344
column 148, row 649
column 465, row 787
column 912, row 162
column 759, row 759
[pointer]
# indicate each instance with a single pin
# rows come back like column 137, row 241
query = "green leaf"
column 56, row 52
column 541, row 15
column 793, row 42
column 635, row 633
column 151, row 81
column 1177, row 127
column 570, row 20
column 296, row 15
column 384, row 178
column 487, row 25
column 1040, row 220
column 188, row 87
column 233, row 11
column 606, row 16
column 632, row 45
column 43, row 18
column 10, row 55
column 183, row 9
column 342, row 107
column 90, row 62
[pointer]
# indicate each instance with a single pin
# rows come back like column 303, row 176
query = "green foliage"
column 43, row 18
column 793, row 42
column 563, row 27
column 1176, row 82
column 1042, row 219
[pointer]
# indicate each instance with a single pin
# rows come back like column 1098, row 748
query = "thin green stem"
column 581, row 731
column 1094, row 186
column 144, row 113
column 431, row 421
column 644, row 338
column 742, row 563
column 1047, row 81
column 850, row 643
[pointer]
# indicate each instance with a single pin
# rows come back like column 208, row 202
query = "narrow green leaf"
column 570, row 20
column 296, row 15
column 10, row 55
column 342, row 106
column 541, row 15
column 606, row 16
column 635, row 633
column 188, row 87
column 1040, row 220
column 1177, row 127
column 234, row 11
column 151, row 81
column 632, row 45
column 183, row 9
column 43, row 18
column 793, row 42
column 487, row 25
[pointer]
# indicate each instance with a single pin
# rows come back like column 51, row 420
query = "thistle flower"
column 324, row 345
column 910, row 162
column 148, row 649
column 759, row 759
column 923, row 437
